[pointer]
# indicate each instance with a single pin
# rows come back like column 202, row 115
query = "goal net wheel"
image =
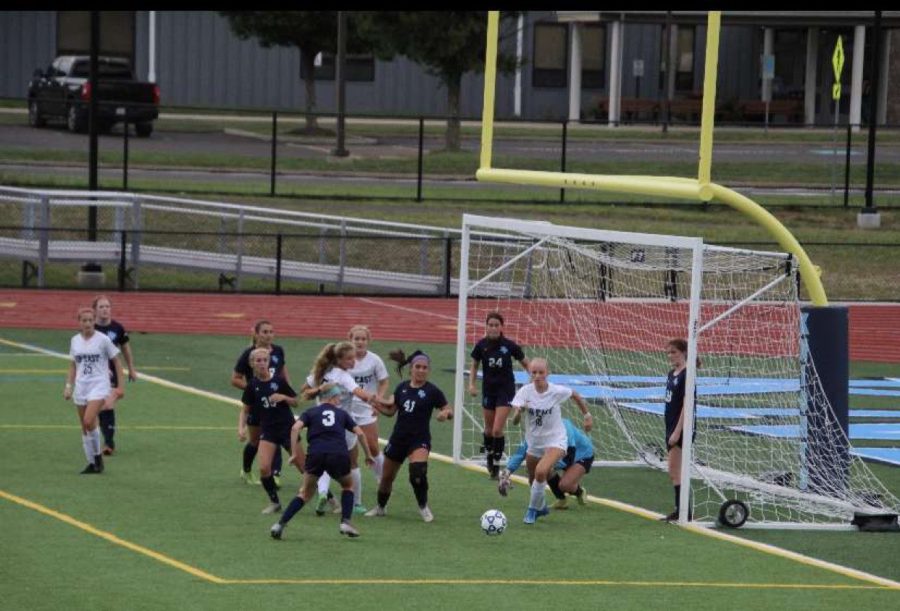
column 733, row 513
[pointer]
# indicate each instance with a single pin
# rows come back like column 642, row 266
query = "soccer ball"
column 493, row 522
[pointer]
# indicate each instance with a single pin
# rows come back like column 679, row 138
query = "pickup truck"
column 63, row 91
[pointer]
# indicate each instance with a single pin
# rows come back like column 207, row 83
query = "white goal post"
column 601, row 306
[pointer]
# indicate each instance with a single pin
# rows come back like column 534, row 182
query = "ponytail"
column 399, row 357
column 328, row 357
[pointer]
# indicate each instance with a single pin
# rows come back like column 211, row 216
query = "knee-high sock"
column 249, row 454
column 95, row 440
column 499, row 446
column 269, row 485
column 293, row 507
column 356, row 474
column 324, row 482
column 537, row 495
column 378, row 467
column 346, row 505
column 88, row 445
column 276, row 462
column 108, row 426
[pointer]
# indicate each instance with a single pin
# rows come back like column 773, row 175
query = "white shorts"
column 351, row 438
column 363, row 418
column 537, row 447
column 91, row 391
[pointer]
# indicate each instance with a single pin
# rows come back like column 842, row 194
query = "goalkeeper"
column 576, row 463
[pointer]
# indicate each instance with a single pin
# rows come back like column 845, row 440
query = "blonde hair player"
column 88, row 385
column 370, row 373
column 545, row 432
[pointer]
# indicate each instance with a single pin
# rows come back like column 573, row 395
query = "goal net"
column 601, row 306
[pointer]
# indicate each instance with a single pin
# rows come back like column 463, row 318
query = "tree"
column 448, row 44
column 311, row 32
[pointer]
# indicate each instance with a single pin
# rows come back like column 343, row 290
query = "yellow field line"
column 762, row 547
column 181, row 566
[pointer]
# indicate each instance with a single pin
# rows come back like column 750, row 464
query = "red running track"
column 874, row 328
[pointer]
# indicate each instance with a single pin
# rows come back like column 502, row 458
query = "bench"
column 631, row 108
column 792, row 110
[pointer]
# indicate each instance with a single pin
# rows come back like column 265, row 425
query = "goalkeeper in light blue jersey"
column 576, row 463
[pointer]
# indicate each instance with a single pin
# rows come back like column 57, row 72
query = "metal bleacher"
column 37, row 244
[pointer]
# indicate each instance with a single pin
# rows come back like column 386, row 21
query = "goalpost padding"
column 602, row 305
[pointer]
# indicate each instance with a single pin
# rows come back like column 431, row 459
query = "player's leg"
column 90, row 432
column 418, row 479
column 488, row 415
column 553, row 481
column 570, row 482
column 250, row 450
column 107, row 418
column 356, row 475
column 392, row 463
column 501, row 413
column 266, row 454
column 307, row 490
column 674, row 461
column 371, row 432
column 339, row 469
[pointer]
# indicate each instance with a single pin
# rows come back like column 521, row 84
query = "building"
column 588, row 65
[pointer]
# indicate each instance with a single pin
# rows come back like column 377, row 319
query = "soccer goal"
column 761, row 444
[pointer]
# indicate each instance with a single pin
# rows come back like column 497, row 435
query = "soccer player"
column 332, row 366
column 544, row 430
column 273, row 398
column 676, row 350
column 575, row 465
column 370, row 373
column 413, row 401
column 495, row 353
column 262, row 336
column 327, row 426
column 87, row 383
column 119, row 336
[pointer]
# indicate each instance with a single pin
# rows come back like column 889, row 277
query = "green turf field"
column 170, row 525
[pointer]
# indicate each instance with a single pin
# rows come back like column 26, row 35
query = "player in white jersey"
column 332, row 366
column 544, row 430
column 370, row 373
column 88, row 383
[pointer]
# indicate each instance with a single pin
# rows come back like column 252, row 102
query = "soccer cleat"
column 530, row 516
column 672, row 517
column 272, row 508
column 348, row 529
column 248, row 478
column 505, row 483
column 582, row 496
column 543, row 511
column 359, row 509
column 561, row 504
column 98, row 463
column 89, row 469
column 276, row 530
column 108, row 451
column 426, row 514
column 376, row 512
column 320, row 504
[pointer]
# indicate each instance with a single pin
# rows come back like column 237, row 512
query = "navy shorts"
column 569, row 460
column 279, row 434
column 397, row 449
column 492, row 396
column 336, row 465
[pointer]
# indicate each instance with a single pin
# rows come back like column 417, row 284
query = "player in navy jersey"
column 495, row 354
column 263, row 335
column 676, row 350
column 326, row 426
column 273, row 398
column 413, row 401
column 119, row 337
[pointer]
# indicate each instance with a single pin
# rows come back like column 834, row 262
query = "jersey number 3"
column 328, row 417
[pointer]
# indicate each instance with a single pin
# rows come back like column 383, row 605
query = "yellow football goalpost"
column 699, row 189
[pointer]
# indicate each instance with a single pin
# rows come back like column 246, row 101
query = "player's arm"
column 361, row 436
column 382, row 386
column 524, row 362
column 585, row 411
column 676, row 434
column 238, row 380
column 129, row 360
column 445, row 414
column 277, row 397
column 242, row 422
column 385, row 406
column 284, row 374
column 473, row 375
column 119, row 391
column 70, row 381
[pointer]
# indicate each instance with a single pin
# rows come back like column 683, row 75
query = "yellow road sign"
column 836, row 92
column 837, row 59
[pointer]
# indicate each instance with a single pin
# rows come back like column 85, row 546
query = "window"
column 105, row 70
column 359, row 67
column 73, row 33
column 551, row 41
column 684, row 58
column 593, row 56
